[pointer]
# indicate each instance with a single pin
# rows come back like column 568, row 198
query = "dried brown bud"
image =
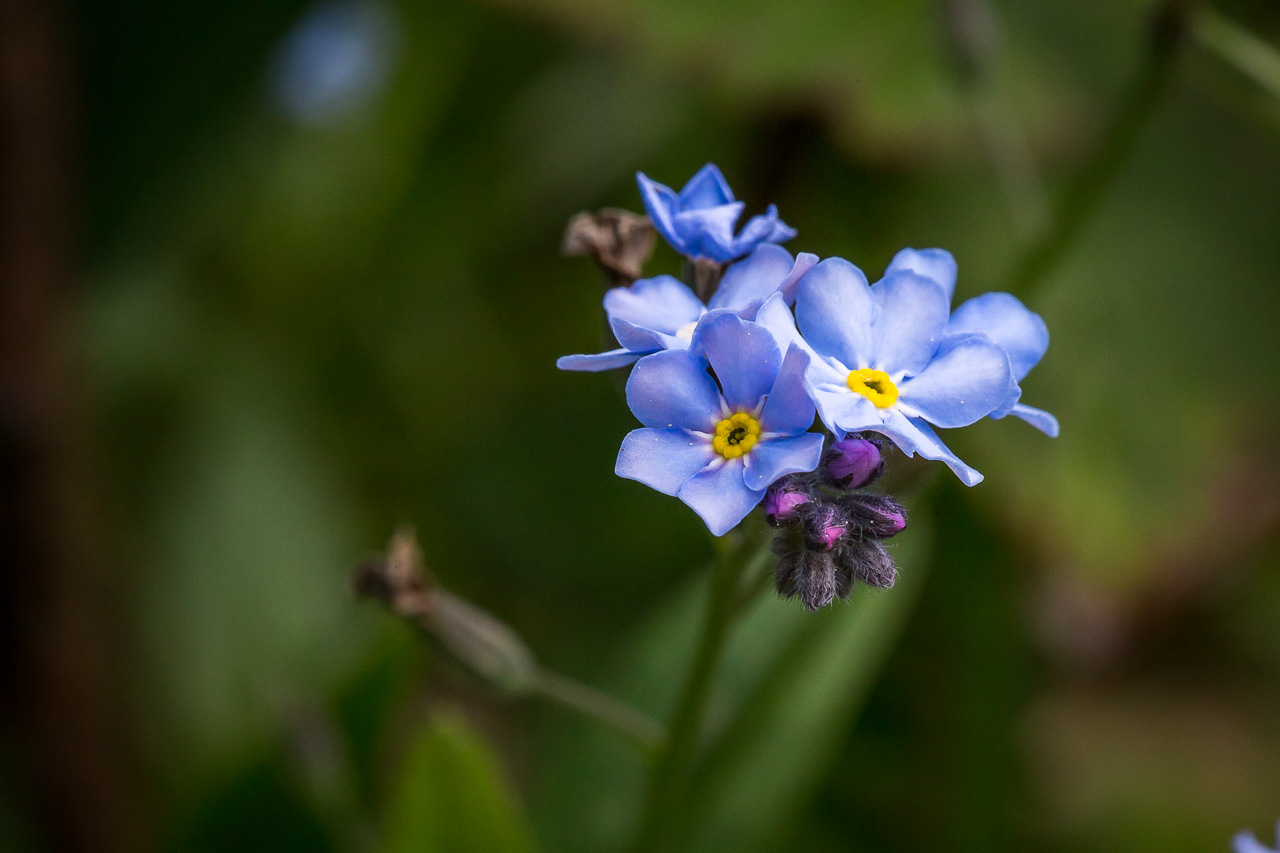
column 618, row 240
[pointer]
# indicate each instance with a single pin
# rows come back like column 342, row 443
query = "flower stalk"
column 488, row 646
column 669, row 776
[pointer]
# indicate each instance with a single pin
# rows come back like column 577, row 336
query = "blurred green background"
column 309, row 288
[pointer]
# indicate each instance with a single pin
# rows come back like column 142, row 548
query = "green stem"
column 1169, row 27
column 594, row 703
column 668, row 778
column 1233, row 43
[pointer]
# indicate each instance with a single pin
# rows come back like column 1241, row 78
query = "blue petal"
column 805, row 261
column 598, row 361
column 1011, row 397
column 913, row 435
column 640, row 339
column 661, row 203
column 719, row 494
column 762, row 229
column 911, row 315
column 789, row 408
column 708, row 232
column 966, row 381
column 1038, row 418
column 755, row 277
column 776, row 318
column 743, row 355
column 937, row 264
column 834, row 308
column 1008, row 322
column 707, row 188
column 843, row 411
column 775, row 457
column 782, row 232
column 661, row 303
column 663, row 459
column 673, row 389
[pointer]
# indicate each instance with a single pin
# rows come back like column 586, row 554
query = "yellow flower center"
column 736, row 435
column 875, row 385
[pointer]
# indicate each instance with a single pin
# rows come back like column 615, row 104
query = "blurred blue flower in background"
column 1246, row 842
column 661, row 313
column 699, row 220
column 718, row 448
column 882, row 360
column 335, row 61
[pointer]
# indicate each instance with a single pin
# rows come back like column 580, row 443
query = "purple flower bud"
column 824, row 526
column 853, row 462
column 780, row 505
column 878, row 516
column 830, row 534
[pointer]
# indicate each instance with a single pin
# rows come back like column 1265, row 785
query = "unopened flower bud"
column 815, row 576
column 867, row 561
column 824, row 528
column 854, row 462
column 781, row 505
column 879, row 516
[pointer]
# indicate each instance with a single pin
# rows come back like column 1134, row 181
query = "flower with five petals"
column 718, row 446
column 699, row 220
column 882, row 360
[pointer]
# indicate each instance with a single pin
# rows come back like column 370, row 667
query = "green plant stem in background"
column 584, row 699
column 663, row 794
column 1167, row 34
column 1237, row 46
column 973, row 33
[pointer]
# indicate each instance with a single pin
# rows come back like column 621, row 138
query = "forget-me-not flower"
column 1246, row 842
column 699, row 220
column 717, row 447
column 884, row 362
column 1002, row 317
column 661, row 313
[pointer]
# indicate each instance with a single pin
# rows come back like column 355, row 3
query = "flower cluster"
column 727, row 381
column 831, row 530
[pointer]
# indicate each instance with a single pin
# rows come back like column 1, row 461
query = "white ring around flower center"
column 685, row 332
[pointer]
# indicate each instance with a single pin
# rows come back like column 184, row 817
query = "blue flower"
column 1002, row 317
column 883, row 361
column 699, row 221
column 661, row 313
column 1246, row 842
column 718, row 447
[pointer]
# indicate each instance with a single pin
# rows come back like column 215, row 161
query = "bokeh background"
column 279, row 276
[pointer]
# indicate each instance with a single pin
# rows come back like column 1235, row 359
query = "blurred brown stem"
column 60, row 678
